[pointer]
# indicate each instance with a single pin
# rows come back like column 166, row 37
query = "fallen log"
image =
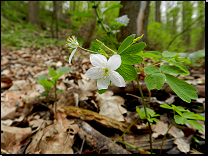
column 98, row 141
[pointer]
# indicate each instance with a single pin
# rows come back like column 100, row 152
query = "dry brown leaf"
column 182, row 145
column 20, row 134
column 111, row 105
column 160, row 129
column 59, row 138
column 8, row 112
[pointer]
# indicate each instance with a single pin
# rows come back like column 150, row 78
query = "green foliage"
column 112, row 7
column 155, row 80
column 150, row 114
column 82, row 14
column 185, row 115
column 126, row 43
column 184, row 90
column 127, row 72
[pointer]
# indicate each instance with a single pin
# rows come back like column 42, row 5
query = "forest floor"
column 87, row 122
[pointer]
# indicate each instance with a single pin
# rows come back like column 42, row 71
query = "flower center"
column 105, row 73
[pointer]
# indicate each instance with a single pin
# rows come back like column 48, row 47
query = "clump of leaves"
column 48, row 82
column 185, row 115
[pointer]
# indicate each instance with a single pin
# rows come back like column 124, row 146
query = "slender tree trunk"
column 33, row 13
column 157, row 12
column 55, row 14
column 88, row 39
column 59, row 12
column 131, row 9
column 142, row 20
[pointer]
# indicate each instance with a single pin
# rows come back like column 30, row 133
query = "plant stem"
column 165, row 136
column 145, row 110
column 132, row 146
column 129, row 128
column 55, row 98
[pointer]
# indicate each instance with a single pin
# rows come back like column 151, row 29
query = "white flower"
column 72, row 43
column 104, row 71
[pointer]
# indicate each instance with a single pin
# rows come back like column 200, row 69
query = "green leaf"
column 63, row 70
column 128, row 56
column 184, row 90
column 102, row 91
column 172, row 69
column 155, row 54
column 43, row 94
column 52, row 71
column 56, row 77
column 131, row 59
column 155, row 80
column 82, row 14
column 192, row 115
column 142, row 115
column 46, row 84
column 179, row 65
column 95, row 46
column 149, row 111
column 168, row 54
column 179, row 119
column 196, row 125
column 102, row 52
column 126, row 43
column 112, row 7
column 127, row 72
column 42, row 77
column 155, row 119
column 151, row 69
column 166, row 106
column 60, row 91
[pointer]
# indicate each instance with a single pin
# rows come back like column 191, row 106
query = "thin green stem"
column 126, row 48
column 145, row 110
column 132, row 146
column 55, row 98
column 165, row 136
column 128, row 128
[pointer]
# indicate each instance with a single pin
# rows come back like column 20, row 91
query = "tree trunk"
column 55, row 14
column 142, row 20
column 60, row 16
column 157, row 12
column 33, row 13
column 187, row 13
column 131, row 9
column 88, row 39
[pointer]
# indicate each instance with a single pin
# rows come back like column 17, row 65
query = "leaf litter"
column 29, row 126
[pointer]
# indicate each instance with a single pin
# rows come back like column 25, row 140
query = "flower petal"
column 98, row 60
column 114, row 62
column 103, row 84
column 93, row 73
column 70, row 57
column 117, row 79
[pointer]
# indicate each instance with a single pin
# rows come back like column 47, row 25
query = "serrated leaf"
column 126, row 43
column 192, row 115
column 179, row 119
column 134, row 49
column 184, row 90
column 172, row 69
column 196, row 125
column 63, row 70
column 166, row 106
column 155, row 80
column 52, row 71
column 127, row 72
column 95, row 46
column 142, row 115
column 131, row 59
column 179, row 65
column 112, row 7
column 155, row 54
column 151, row 69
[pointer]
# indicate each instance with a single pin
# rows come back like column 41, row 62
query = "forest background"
column 177, row 26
